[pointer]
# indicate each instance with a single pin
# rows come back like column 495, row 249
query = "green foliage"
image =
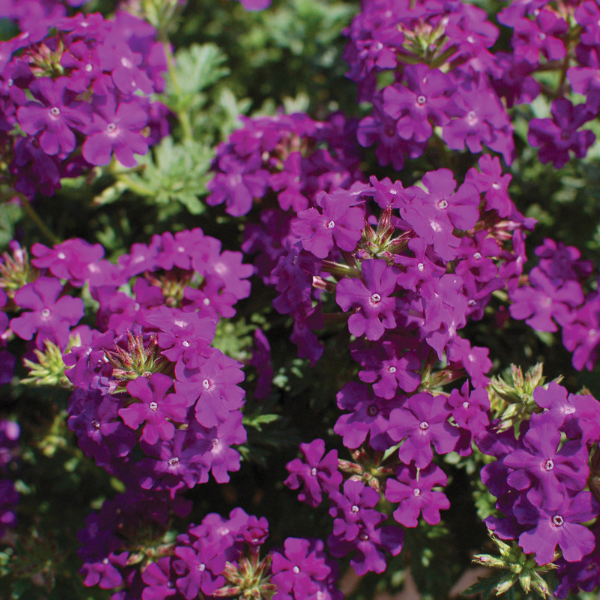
column 173, row 173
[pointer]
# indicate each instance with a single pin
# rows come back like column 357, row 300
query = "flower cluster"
column 541, row 481
column 73, row 99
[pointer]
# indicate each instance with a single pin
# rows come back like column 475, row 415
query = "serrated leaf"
column 196, row 68
column 178, row 173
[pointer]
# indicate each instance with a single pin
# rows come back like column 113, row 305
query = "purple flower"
column 413, row 490
column 582, row 334
column 201, row 567
column 426, row 97
column 424, row 421
column 298, row 571
column 116, row 128
column 104, row 573
column 558, row 135
column 544, row 301
column 371, row 545
column 560, row 526
column 470, row 409
column 372, row 298
column 212, row 388
column 353, row 509
column 155, row 407
column 56, row 115
column 49, row 315
column 544, row 468
column 340, row 223
column 215, row 453
column 369, row 416
column 159, row 579
column 483, row 121
column 490, row 181
column 319, row 473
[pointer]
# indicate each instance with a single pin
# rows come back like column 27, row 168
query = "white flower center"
column 153, row 406
column 206, row 384
column 55, row 111
column 557, row 520
column 88, row 67
column 331, row 225
column 185, row 343
column 375, row 298
column 465, row 405
column 206, row 301
column 111, row 128
column 46, row 313
column 477, row 256
column 313, row 471
column 61, row 256
column 424, row 425
column 549, row 465
column 296, row 569
column 392, row 369
column 126, row 63
column 421, row 267
column 442, row 204
column 201, row 567
column 417, row 492
column 355, row 508
column 421, row 100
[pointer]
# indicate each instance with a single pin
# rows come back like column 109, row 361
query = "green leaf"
column 257, row 420
column 196, row 68
column 178, row 173
column 9, row 216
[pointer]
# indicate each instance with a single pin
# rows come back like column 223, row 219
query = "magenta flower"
column 373, row 299
column 316, row 474
column 48, row 315
column 540, row 465
column 56, row 115
column 155, row 407
column 414, row 491
column 543, row 302
column 299, row 570
column 116, row 128
column 341, row 223
column 561, row 526
column 423, row 422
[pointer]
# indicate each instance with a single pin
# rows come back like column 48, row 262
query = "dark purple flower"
column 560, row 526
column 413, row 490
column 299, row 570
column 427, row 97
column 319, row 473
column 116, row 128
column 423, row 422
column 56, row 115
column 340, row 223
column 556, row 136
column 372, row 298
column 544, row 301
column 539, row 465
column 155, row 407
column 49, row 315
column 353, row 509
column 371, row 545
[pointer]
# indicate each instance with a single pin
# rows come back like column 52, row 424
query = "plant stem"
column 32, row 214
column 182, row 115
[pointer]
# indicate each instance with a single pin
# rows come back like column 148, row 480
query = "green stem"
column 137, row 188
column 182, row 115
column 32, row 214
